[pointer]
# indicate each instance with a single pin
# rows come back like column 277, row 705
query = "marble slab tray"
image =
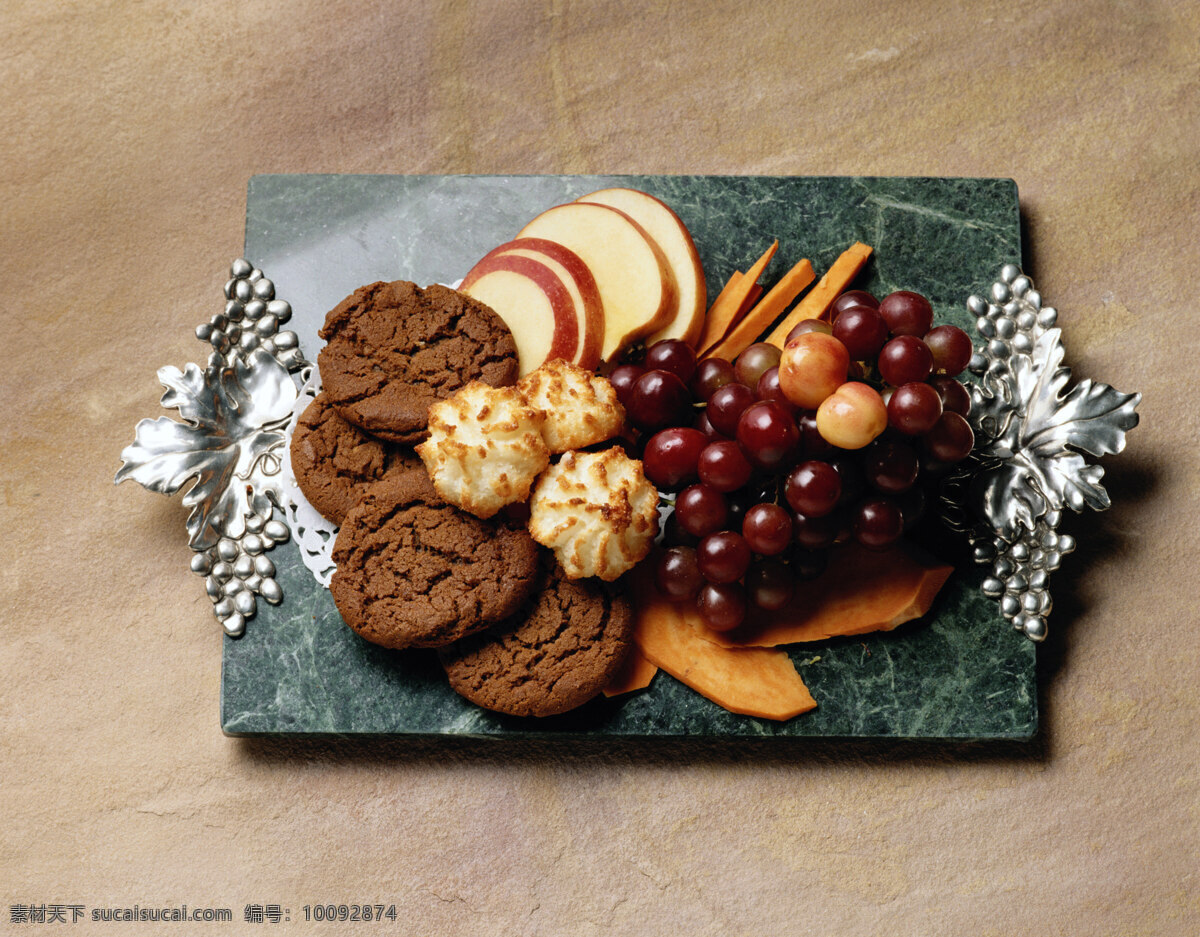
column 959, row 673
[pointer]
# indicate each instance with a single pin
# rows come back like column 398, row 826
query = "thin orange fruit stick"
column 748, row 303
column 816, row 304
column 756, row 321
column 722, row 297
column 722, row 315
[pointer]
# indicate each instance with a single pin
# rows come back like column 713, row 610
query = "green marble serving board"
column 959, row 673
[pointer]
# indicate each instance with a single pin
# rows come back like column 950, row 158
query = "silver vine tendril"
column 227, row 447
column 1027, row 465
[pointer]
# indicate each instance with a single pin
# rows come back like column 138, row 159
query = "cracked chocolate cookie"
column 556, row 654
column 413, row 571
column 335, row 462
column 392, row 349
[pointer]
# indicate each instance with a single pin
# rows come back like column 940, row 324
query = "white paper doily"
column 314, row 534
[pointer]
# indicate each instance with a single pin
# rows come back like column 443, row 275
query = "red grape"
column 741, row 501
column 726, row 406
column 913, row 408
column 671, row 455
column 813, row 488
column 851, row 299
column 722, row 605
column 951, row 348
column 674, row 535
column 723, row 556
column 705, row 425
column 677, row 574
column 812, row 443
column 767, row 528
column 770, row 584
column 878, row 524
column 701, row 510
column 623, row 378
column 674, row 355
column 851, row 476
column 723, row 465
column 905, row 359
column 768, row 434
column 891, row 467
column 815, row 533
column 951, row 438
column 808, row 564
column 808, row 325
column 768, row 389
column 752, row 362
column 862, row 330
column 658, row 399
column 711, row 373
column 912, row 506
column 955, row 397
column 906, row 313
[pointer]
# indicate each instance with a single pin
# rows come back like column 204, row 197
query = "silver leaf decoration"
column 1032, row 433
column 235, row 417
column 235, row 412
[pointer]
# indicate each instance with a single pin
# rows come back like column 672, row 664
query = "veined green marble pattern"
column 959, row 673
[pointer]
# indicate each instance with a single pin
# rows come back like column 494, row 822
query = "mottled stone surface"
column 960, row 673
column 132, row 130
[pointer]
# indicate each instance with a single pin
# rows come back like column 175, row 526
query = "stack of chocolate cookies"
column 514, row 633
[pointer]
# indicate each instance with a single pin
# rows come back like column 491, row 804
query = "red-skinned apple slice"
column 635, row 282
column 579, row 282
column 533, row 302
column 672, row 235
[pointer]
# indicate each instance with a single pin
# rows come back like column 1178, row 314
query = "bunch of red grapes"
column 779, row 455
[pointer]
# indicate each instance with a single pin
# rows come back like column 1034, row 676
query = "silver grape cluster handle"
column 235, row 412
column 1030, row 435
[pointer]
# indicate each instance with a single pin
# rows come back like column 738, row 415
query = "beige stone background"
column 129, row 133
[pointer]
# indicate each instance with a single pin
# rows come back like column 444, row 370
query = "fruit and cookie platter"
column 575, row 467
column 577, row 381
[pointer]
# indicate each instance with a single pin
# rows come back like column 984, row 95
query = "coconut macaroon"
column 485, row 448
column 596, row 511
column 581, row 406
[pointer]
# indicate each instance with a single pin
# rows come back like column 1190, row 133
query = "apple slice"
column 580, row 283
column 635, row 282
column 534, row 304
column 672, row 235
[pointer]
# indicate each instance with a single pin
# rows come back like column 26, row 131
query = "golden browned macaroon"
column 485, row 448
column 596, row 511
column 581, row 406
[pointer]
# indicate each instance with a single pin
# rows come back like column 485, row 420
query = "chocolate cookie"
column 413, row 571
column 556, row 654
column 392, row 349
column 335, row 462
